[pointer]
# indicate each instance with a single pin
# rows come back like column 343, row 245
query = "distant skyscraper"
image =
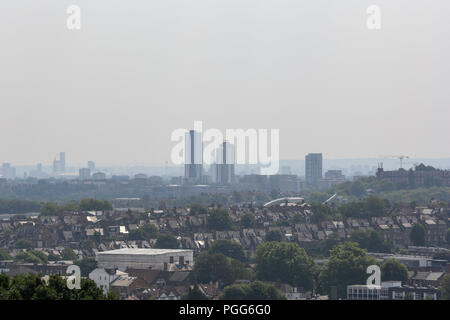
column 193, row 158
column 7, row 171
column 62, row 159
column 223, row 170
column 91, row 165
column 313, row 167
column 84, row 173
column 38, row 173
column 59, row 166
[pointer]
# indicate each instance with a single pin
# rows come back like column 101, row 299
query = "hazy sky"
column 114, row 91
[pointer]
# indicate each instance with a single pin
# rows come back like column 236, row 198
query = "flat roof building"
column 143, row 258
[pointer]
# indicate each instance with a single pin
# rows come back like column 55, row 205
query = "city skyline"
column 116, row 89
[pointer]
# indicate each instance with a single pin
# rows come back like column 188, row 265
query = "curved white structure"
column 285, row 200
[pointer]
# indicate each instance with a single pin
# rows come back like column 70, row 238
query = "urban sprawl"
column 217, row 235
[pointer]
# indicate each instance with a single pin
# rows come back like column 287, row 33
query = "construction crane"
column 401, row 160
column 398, row 157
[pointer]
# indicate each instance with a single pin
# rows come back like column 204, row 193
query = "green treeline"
column 15, row 206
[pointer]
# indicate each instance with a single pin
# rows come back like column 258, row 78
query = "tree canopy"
column 417, row 235
column 4, row 255
column 228, row 248
column 147, row 231
column 68, row 254
column 285, row 262
column 9, row 206
column 166, row 241
column 371, row 240
column 197, row 209
column 394, row 270
column 217, row 267
column 274, row 235
column 347, row 265
column 219, row 219
column 33, row 287
column 253, row 291
column 194, row 294
column 90, row 204
column 445, row 288
column 87, row 265
column 248, row 220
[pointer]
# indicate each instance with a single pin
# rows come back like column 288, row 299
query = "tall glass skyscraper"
column 193, row 158
column 313, row 168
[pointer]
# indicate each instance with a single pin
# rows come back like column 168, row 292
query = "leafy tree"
column 370, row 207
column 417, row 235
column 254, row 291
column 248, row 221
column 387, row 185
column 274, row 235
column 49, row 209
column 228, row 248
column 217, row 267
column 371, row 240
column 147, row 231
column 23, row 244
column 394, row 270
column 33, row 287
column 166, row 241
column 150, row 230
column 54, row 257
column 31, row 256
column 376, row 207
column 4, row 255
column 194, row 294
column 68, row 254
column 219, row 219
column 347, row 265
column 285, row 262
column 42, row 256
column 235, row 292
column 196, row 209
column 357, row 189
column 445, row 288
column 52, row 209
column 87, row 265
column 95, row 205
column 18, row 206
column 330, row 242
column 137, row 234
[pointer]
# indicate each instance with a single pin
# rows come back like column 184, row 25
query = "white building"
column 365, row 292
column 104, row 277
column 143, row 258
column 391, row 290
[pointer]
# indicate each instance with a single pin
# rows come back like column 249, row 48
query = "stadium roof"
column 139, row 251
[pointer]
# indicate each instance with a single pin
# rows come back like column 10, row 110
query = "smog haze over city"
column 115, row 90
column 272, row 151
